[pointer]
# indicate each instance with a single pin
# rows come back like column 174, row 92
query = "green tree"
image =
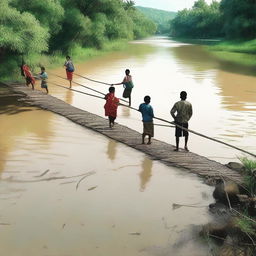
column 240, row 18
column 201, row 21
column 20, row 33
column 49, row 12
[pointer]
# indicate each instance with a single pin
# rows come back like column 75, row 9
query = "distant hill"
column 160, row 17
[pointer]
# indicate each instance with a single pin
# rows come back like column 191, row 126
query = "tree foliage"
column 240, row 18
column 160, row 17
column 201, row 21
column 28, row 26
column 234, row 19
column 20, row 32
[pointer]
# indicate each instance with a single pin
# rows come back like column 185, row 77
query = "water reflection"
column 111, row 150
column 18, row 122
column 237, row 90
column 69, row 97
column 146, row 173
column 126, row 112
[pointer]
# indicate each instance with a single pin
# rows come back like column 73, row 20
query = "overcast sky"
column 169, row 5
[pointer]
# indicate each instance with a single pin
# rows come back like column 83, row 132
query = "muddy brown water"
column 223, row 95
column 125, row 206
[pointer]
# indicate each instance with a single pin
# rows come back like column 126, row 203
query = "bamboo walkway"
column 158, row 150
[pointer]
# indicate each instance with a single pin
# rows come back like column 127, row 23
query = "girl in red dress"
column 111, row 106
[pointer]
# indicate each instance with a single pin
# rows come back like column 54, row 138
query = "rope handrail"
column 92, row 80
column 166, row 121
column 86, row 87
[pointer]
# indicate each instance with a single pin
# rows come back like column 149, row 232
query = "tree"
column 49, row 13
column 240, row 18
column 201, row 21
column 20, row 33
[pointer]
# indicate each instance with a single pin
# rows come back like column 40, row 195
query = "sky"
column 169, row 5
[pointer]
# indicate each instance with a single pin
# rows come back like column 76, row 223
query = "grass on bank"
column 248, row 47
column 56, row 59
column 238, row 52
column 249, row 174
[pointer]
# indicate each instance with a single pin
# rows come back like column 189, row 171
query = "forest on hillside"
column 160, row 17
column 30, row 27
column 230, row 19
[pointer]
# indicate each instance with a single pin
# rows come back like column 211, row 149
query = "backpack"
column 70, row 67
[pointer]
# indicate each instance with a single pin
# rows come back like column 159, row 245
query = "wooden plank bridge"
column 158, row 150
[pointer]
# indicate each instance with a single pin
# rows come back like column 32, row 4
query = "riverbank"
column 248, row 47
column 78, row 54
column 238, row 52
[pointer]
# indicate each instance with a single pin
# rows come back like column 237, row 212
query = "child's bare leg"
column 177, row 143
column 186, row 143
column 143, row 138
column 149, row 139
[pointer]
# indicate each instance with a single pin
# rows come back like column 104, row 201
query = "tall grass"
column 236, row 46
column 238, row 52
column 250, row 174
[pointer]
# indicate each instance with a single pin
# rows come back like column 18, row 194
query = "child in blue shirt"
column 147, row 119
column 43, row 75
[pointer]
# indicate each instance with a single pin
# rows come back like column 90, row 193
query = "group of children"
column 183, row 108
column 30, row 79
column 181, row 112
column 145, row 108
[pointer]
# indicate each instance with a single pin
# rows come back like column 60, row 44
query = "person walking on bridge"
column 147, row 119
column 128, row 85
column 69, row 69
column 111, row 106
column 184, row 112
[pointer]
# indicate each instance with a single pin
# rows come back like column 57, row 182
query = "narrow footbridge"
column 158, row 150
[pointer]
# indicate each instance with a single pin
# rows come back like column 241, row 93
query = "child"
column 128, row 85
column 69, row 70
column 111, row 106
column 26, row 72
column 43, row 75
column 147, row 119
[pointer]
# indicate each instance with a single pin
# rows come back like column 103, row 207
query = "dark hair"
column 183, row 95
column 42, row 68
column 111, row 89
column 68, row 57
column 127, row 71
column 147, row 99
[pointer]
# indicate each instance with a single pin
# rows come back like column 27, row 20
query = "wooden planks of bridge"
column 158, row 150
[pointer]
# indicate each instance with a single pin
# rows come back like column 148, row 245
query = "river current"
column 128, row 204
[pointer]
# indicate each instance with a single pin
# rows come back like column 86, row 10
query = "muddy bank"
column 158, row 150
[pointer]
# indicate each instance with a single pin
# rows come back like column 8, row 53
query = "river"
column 129, row 204
column 223, row 95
